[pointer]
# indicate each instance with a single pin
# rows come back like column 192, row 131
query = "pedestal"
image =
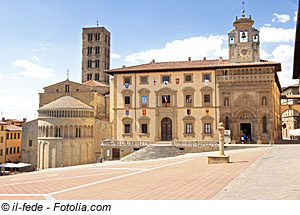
column 218, row 159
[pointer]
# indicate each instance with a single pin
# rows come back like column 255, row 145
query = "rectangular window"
column 89, row 64
column 14, row 150
column 18, row 149
column 30, row 142
column 10, row 150
column 207, row 128
column 67, row 88
column 18, row 135
column 189, row 128
column 7, row 136
column 188, row 78
column 15, row 135
column 188, row 99
column 89, row 76
column 144, row 128
column 127, row 80
column 1, row 141
column 1, row 152
column 166, row 100
column 11, row 136
column 7, row 151
column 206, row 77
column 144, row 79
column 166, row 78
column 206, row 98
column 2, row 128
column 144, row 100
column 127, row 100
column 97, row 36
column 127, row 128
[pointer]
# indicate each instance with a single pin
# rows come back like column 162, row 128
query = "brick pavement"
column 274, row 176
column 185, row 177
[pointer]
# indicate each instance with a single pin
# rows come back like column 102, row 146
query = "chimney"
column 123, row 66
column 24, row 120
column 3, row 119
column 204, row 58
column 220, row 59
column 190, row 58
column 153, row 61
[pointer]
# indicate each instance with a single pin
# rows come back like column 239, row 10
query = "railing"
column 244, row 77
column 125, row 142
column 195, row 143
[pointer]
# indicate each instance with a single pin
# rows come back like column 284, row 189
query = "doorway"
column 246, row 130
column 166, row 129
column 115, row 154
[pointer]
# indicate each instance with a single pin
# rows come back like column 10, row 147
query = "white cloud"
column 264, row 55
column 267, row 25
column 196, row 47
column 280, row 18
column 284, row 54
column 1, row 76
column 115, row 56
column 15, row 77
column 36, row 58
column 271, row 34
column 32, row 70
column 296, row 16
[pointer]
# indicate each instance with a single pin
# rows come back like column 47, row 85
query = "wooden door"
column 166, row 129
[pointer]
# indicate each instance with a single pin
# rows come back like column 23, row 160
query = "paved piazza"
column 273, row 176
column 260, row 173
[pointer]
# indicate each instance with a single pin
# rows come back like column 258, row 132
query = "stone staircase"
column 153, row 151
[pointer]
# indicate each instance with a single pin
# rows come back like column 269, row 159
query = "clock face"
column 244, row 52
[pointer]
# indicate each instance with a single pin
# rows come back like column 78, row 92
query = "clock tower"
column 243, row 41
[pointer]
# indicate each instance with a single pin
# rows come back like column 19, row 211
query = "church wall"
column 29, row 153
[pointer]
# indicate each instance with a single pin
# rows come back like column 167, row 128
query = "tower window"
column 90, row 37
column 97, row 50
column 89, row 76
column 97, row 36
column 144, row 128
column 67, row 88
column 97, row 76
column 90, row 50
column 207, row 128
column 89, row 64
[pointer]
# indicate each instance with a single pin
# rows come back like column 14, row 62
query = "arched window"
column 264, row 124
column 227, row 123
column 264, row 101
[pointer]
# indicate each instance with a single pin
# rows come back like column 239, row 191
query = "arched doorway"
column 166, row 129
column 290, row 120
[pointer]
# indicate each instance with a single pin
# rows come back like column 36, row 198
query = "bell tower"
column 243, row 41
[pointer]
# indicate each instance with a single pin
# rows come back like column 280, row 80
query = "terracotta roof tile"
column 13, row 128
column 198, row 64
column 93, row 83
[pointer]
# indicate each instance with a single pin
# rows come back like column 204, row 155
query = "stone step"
column 153, row 151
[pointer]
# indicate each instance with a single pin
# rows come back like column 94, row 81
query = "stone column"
column 221, row 138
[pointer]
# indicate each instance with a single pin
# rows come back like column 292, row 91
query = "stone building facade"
column 73, row 119
column 10, row 140
column 95, row 54
column 175, row 101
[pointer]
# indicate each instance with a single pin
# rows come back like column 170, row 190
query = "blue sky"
column 41, row 39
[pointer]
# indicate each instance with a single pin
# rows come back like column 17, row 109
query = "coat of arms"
column 177, row 80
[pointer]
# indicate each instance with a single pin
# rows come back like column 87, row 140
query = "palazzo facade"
column 185, row 100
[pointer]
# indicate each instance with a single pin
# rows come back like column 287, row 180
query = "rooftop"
column 13, row 128
column 66, row 102
column 190, row 65
column 93, row 83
